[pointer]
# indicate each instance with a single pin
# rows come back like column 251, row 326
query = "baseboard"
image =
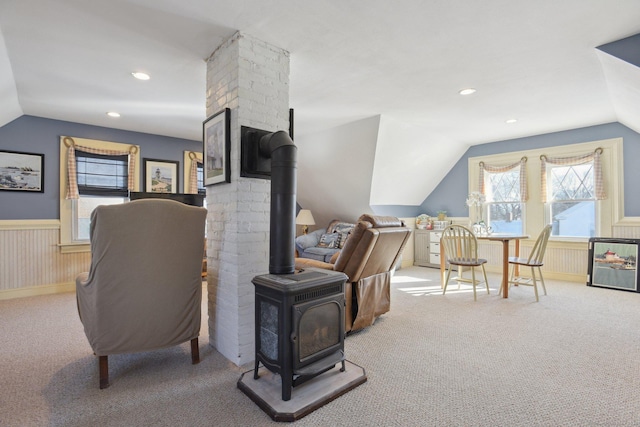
column 567, row 277
column 578, row 278
column 55, row 288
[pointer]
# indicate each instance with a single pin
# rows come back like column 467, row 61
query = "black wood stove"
column 299, row 324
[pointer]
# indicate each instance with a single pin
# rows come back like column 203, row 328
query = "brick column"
column 251, row 78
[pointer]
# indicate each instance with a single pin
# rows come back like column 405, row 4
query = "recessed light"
column 511, row 121
column 467, row 91
column 141, row 76
column 113, row 114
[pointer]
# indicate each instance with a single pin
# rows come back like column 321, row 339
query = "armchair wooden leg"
column 195, row 351
column 103, row 362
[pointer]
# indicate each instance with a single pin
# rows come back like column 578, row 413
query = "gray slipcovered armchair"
column 143, row 290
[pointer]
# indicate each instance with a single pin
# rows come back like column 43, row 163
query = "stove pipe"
column 280, row 148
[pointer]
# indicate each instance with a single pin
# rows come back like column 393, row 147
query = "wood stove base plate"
column 266, row 391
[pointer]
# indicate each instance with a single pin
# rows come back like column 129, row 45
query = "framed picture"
column 161, row 176
column 613, row 263
column 21, row 171
column 217, row 148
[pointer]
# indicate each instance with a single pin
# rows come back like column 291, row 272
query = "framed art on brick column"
column 217, row 148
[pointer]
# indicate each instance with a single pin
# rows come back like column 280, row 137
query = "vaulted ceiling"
column 536, row 62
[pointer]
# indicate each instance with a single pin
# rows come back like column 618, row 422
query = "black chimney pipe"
column 280, row 148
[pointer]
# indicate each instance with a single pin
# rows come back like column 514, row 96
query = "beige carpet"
column 569, row 360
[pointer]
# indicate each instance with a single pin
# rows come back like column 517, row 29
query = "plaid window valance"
column 72, row 182
column 522, row 164
column 195, row 186
column 598, row 181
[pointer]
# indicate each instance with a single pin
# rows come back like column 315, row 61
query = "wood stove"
column 299, row 330
column 299, row 315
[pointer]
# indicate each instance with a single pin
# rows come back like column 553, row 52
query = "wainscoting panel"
column 561, row 261
column 31, row 259
column 567, row 263
column 626, row 232
column 31, row 262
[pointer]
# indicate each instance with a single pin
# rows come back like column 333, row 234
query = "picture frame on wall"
column 21, row 171
column 161, row 176
column 217, row 148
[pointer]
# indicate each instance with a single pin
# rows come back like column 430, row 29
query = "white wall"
column 410, row 161
column 335, row 170
column 10, row 106
column 344, row 171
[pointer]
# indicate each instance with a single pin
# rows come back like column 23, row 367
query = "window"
column 504, row 209
column 568, row 185
column 200, row 173
column 104, row 175
column 571, row 206
column 505, row 189
column 102, row 180
column 82, row 210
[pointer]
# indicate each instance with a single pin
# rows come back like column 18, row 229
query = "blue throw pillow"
column 305, row 241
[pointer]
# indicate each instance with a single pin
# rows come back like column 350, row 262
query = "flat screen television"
column 613, row 263
column 187, row 199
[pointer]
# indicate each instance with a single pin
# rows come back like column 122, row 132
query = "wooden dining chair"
column 534, row 261
column 461, row 249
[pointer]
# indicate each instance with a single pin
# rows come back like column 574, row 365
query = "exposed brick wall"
column 251, row 78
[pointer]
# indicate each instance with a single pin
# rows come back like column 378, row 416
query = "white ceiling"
column 406, row 60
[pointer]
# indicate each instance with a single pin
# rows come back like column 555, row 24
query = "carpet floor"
column 433, row 360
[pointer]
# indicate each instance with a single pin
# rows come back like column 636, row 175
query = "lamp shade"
column 305, row 218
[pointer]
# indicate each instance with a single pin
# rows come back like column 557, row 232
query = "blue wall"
column 450, row 194
column 42, row 136
column 37, row 135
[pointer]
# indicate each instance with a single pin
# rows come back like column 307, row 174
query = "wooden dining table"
column 505, row 238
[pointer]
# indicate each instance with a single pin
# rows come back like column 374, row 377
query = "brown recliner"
column 367, row 258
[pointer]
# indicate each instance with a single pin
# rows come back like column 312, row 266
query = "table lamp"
column 305, row 219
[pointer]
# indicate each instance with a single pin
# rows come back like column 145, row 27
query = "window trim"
column 67, row 245
column 609, row 211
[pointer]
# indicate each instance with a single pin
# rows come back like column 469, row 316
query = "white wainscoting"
column 563, row 260
column 31, row 262
column 628, row 228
